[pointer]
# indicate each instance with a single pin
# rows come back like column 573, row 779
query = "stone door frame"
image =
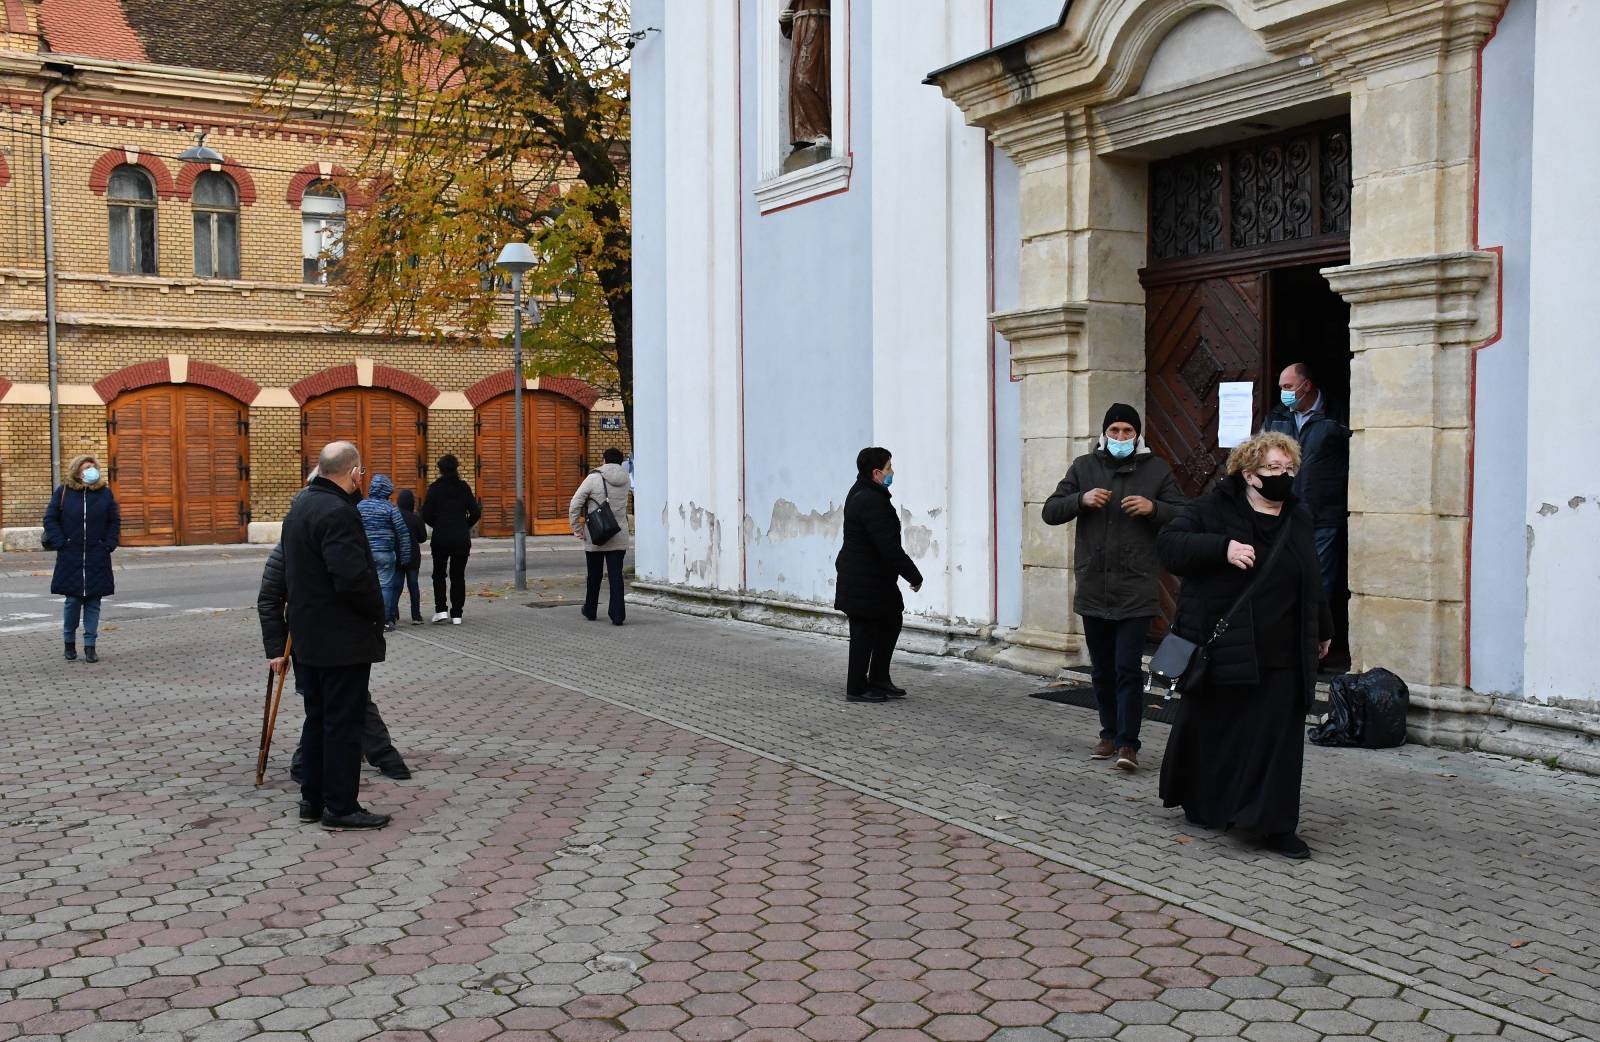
column 1064, row 106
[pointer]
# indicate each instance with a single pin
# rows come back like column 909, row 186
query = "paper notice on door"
column 1236, row 409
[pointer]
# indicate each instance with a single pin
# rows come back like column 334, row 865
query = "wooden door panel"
column 554, row 454
column 1199, row 334
column 178, row 457
column 386, row 427
column 496, row 450
column 142, row 475
column 215, row 455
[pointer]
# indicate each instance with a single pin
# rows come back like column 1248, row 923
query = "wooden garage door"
column 389, row 429
column 556, row 453
column 180, row 466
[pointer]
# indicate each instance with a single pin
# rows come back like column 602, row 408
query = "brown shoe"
column 1127, row 758
column 1104, row 751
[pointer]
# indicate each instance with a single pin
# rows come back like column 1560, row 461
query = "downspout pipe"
column 46, row 111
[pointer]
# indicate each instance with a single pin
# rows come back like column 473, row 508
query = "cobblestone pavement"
column 777, row 865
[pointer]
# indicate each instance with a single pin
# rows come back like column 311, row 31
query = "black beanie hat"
column 1120, row 413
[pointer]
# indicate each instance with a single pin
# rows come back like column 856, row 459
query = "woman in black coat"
column 1234, row 757
column 83, row 526
column 450, row 509
column 870, row 566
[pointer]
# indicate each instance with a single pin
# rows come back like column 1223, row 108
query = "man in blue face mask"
column 1321, row 487
column 1120, row 495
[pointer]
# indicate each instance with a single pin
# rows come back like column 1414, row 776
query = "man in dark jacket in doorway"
column 336, row 619
column 1120, row 494
column 1321, row 485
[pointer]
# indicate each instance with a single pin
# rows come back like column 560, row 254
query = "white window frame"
column 776, row 190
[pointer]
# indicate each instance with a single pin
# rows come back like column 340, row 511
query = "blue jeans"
column 89, row 608
column 411, row 585
column 1115, row 647
column 387, row 584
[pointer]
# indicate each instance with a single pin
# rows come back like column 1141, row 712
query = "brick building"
column 198, row 354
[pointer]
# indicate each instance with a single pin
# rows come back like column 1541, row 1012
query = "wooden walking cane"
column 269, row 711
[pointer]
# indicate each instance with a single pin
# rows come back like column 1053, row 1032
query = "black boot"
column 89, row 655
column 72, row 650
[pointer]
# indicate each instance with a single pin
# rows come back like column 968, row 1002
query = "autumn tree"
column 475, row 123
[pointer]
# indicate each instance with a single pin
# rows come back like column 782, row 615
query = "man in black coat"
column 1120, row 495
column 450, row 510
column 870, row 566
column 1321, row 487
column 271, row 601
column 336, row 616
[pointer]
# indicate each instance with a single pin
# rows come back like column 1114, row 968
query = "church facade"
column 1021, row 211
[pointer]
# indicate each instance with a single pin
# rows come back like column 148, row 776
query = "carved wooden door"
column 555, row 457
column 1199, row 334
column 389, row 429
column 180, row 465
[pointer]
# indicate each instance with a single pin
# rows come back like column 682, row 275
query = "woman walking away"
column 870, row 566
column 450, row 510
column 83, row 526
column 407, row 501
column 390, row 541
column 609, row 484
column 1234, row 756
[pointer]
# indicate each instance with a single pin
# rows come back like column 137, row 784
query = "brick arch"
column 343, row 179
column 503, row 382
column 337, row 378
column 184, row 186
column 159, row 371
column 100, row 173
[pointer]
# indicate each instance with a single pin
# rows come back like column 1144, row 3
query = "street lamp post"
column 516, row 258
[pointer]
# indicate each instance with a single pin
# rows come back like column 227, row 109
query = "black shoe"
column 1288, row 844
column 888, row 690
column 357, row 821
column 617, row 622
column 89, row 655
column 590, row 615
column 310, row 812
column 395, row 771
column 72, row 651
column 869, row 695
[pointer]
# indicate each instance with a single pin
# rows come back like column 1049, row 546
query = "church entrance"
column 1233, row 293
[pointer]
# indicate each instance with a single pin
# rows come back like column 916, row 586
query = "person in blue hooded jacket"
column 390, row 539
column 83, row 526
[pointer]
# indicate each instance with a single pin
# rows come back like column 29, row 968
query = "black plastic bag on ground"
column 1366, row 710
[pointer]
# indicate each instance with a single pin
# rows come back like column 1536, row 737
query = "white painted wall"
column 648, row 156
column 701, row 284
column 1007, row 248
column 930, row 379
column 1563, row 518
column 1499, row 500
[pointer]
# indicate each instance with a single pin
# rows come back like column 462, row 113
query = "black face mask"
column 1275, row 487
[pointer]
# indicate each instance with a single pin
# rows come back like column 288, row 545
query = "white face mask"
column 91, row 475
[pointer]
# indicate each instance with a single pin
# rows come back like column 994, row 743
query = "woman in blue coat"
column 82, row 525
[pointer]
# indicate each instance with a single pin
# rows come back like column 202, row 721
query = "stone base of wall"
column 22, row 538
column 268, row 532
column 1452, row 718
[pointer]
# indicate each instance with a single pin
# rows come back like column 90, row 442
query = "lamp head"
column 199, row 152
column 516, row 257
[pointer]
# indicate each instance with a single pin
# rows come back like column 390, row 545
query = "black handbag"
column 1179, row 666
column 601, row 522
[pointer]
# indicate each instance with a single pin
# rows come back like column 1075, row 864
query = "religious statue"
column 805, row 24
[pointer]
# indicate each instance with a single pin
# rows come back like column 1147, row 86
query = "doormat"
column 1162, row 711
column 1081, row 696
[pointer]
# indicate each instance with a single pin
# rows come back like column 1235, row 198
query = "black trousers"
column 611, row 562
column 1115, row 647
column 872, row 641
column 376, row 745
column 450, row 562
column 336, row 701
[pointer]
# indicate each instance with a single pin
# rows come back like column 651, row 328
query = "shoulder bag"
column 1179, row 666
column 601, row 522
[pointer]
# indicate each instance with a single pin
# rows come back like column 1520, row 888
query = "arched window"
column 216, row 227
column 131, row 202
column 321, row 231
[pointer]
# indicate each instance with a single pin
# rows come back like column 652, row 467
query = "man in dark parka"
column 1120, row 495
column 336, row 616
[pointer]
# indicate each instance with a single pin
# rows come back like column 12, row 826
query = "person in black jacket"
column 450, row 509
column 406, row 500
column 870, row 565
column 1121, row 494
column 1321, row 486
column 376, row 745
column 336, row 619
column 1234, row 756
column 83, row 526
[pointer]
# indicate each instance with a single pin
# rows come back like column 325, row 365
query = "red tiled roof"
column 93, row 28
